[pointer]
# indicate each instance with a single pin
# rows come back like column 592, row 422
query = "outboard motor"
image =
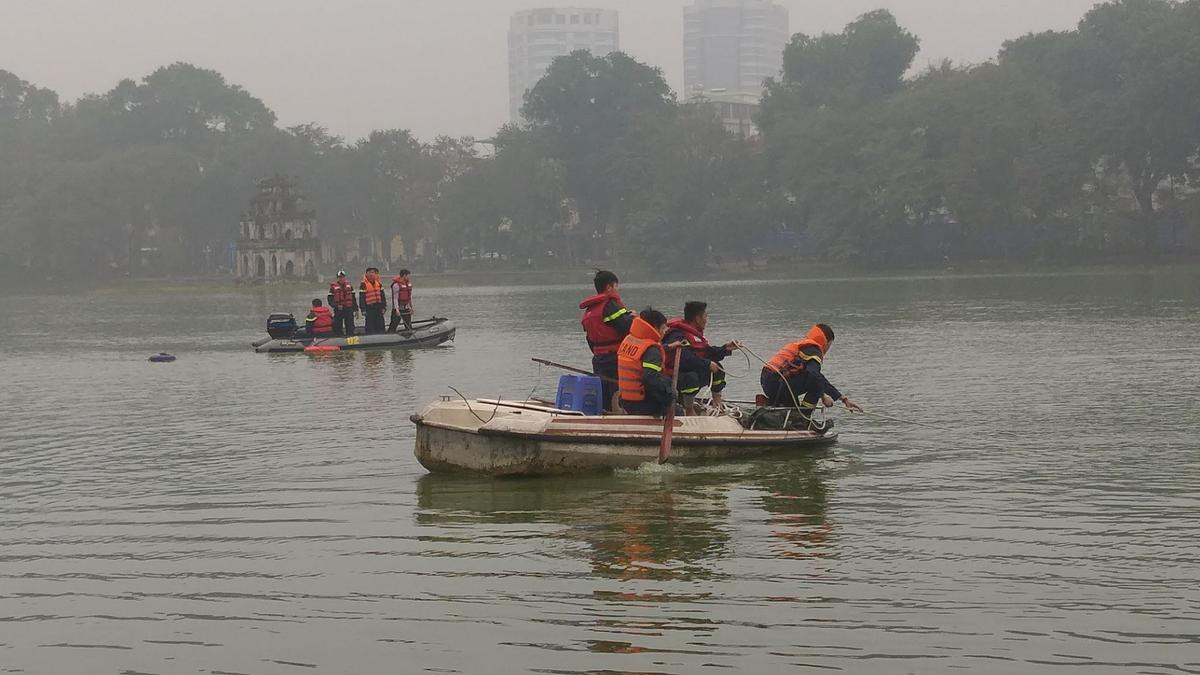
column 281, row 326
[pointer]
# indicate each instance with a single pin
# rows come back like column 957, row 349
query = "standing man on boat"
column 700, row 364
column 641, row 360
column 319, row 320
column 606, row 321
column 793, row 377
column 402, row 309
column 371, row 300
column 341, row 299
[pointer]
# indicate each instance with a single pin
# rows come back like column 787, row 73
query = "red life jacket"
column 343, row 294
column 630, row 366
column 696, row 341
column 373, row 291
column 601, row 336
column 403, row 291
column 785, row 362
column 322, row 321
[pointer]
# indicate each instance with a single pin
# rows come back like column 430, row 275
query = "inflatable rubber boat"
column 285, row 336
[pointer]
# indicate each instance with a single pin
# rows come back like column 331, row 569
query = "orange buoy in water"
column 321, row 349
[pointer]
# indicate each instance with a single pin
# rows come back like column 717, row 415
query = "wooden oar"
column 664, row 450
column 572, row 369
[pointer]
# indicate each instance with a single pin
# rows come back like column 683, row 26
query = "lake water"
column 237, row 512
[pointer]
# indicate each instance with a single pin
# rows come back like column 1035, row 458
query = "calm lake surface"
column 247, row 513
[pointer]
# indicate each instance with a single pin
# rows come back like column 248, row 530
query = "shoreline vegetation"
column 633, row 277
column 1069, row 147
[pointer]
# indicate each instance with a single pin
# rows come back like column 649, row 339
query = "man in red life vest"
column 401, row 301
column 371, row 300
column 641, row 360
column 606, row 321
column 700, row 363
column 793, row 377
column 319, row 320
column 341, row 299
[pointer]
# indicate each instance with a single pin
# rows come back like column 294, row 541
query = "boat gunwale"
column 298, row 345
column 785, row 441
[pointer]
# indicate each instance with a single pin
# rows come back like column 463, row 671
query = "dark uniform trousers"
column 343, row 321
column 374, row 318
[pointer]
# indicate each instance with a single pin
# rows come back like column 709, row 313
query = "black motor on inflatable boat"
column 281, row 326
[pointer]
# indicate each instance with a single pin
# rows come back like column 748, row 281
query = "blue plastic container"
column 581, row 393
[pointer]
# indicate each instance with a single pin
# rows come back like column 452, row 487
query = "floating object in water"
column 510, row 438
column 321, row 349
column 161, row 357
column 426, row 333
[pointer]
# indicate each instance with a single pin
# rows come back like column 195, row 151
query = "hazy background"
column 433, row 66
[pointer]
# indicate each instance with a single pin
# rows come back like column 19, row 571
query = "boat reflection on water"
column 797, row 501
column 673, row 524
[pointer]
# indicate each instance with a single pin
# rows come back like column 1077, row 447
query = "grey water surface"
column 236, row 512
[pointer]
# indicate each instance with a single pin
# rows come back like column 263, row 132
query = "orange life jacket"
column 373, row 291
column 790, row 360
column 630, row 365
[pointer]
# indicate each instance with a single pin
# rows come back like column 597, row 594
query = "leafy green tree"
column 595, row 112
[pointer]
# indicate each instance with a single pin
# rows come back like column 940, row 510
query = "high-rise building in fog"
column 537, row 36
column 731, row 46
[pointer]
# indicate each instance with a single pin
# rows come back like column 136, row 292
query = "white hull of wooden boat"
column 529, row 439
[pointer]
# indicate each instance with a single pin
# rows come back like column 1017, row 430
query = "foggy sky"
column 433, row 66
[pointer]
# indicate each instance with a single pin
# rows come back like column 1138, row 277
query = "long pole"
column 664, row 450
column 572, row 369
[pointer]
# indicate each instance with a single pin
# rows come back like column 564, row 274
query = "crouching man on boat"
column 319, row 321
column 606, row 321
column 700, row 363
column 641, row 358
column 793, row 377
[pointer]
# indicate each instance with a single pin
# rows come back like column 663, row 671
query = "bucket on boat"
column 580, row 393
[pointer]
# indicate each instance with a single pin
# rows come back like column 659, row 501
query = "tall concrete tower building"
column 537, row 36
column 732, row 45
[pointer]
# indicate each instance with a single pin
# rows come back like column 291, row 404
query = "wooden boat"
column 514, row 438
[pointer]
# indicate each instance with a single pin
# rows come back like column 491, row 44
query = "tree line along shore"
column 1077, row 146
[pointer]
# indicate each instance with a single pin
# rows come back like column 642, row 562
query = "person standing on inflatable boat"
column 402, row 309
column 372, row 301
column 341, row 300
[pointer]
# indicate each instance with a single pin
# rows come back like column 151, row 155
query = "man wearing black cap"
column 341, row 299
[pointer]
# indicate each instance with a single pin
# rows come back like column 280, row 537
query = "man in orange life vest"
column 401, row 301
column 641, row 359
column 319, row 320
column 700, row 362
column 341, row 299
column 371, row 300
column 606, row 321
column 796, row 371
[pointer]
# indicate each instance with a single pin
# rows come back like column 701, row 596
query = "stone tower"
column 278, row 238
